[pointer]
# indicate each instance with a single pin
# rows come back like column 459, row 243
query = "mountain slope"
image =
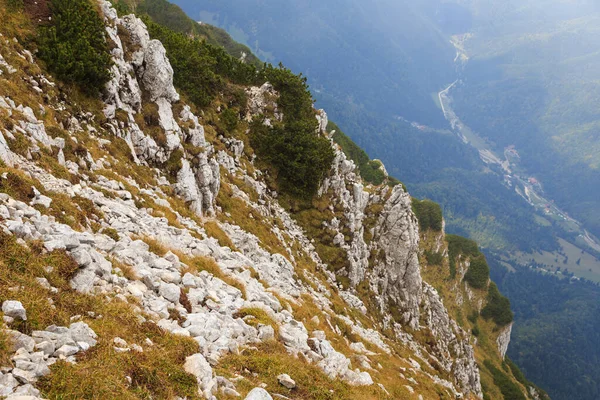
column 153, row 247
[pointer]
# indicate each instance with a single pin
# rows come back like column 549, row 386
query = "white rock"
column 20, row 341
column 7, row 384
column 285, row 380
column 14, row 309
column 170, row 291
column 66, row 350
column 201, row 369
column 258, row 394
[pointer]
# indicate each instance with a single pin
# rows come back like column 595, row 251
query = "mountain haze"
column 177, row 221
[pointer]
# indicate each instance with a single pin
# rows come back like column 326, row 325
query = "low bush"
column 434, row 258
column 458, row 245
column 478, row 274
column 296, row 155
column 74, row 45
column 293, row 150
column 516, row 371
column 429, row 214
column 509, row 389
column 497, row 307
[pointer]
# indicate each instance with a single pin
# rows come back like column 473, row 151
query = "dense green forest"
column 556, row 335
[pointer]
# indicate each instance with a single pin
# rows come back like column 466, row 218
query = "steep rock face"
column 397, row 236
column 454, row 351
column 390, row 265
column 504, row 339
column 142, row 71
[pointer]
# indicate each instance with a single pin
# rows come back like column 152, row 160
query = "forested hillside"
column 557, row 325
column 532, row 82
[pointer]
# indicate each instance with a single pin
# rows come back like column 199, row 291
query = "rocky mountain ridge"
column 154, row 212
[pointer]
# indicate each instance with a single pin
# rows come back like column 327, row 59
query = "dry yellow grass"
column 236, row 211
column 213, row 230
column 100, row 372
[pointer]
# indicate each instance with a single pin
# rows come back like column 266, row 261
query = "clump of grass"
column 156, row 246
column 127, row 270
column 111, row 233
column 245, row 187
column 200, row 263
column 5, row 347
column 236, row 211
column 271, row 359
column 213, row 230
column 17, row 185
column 347, row 330
column 258, row 316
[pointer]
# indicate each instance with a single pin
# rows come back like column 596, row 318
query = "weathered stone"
column 258, row 394
column 285, row 380
column 14, row 309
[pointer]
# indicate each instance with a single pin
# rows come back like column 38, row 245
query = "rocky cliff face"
column 185, row 231
column 389, row 264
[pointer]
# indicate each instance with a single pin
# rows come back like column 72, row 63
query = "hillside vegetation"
column 189, row 230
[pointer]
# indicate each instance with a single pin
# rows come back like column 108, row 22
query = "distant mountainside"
column 378, row 74
column 532, row 82
column 360, row 52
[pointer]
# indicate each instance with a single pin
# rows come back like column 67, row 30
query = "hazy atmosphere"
column 301, row 199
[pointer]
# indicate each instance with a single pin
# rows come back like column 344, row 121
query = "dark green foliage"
column 173, row 165
column 294, row 97
column 478, row 273
column 121, row 7
column 509, row 389
column 475, row 331
column 473, row 317
column 298, row 157
column 556, row 337
column 434, row 258
column 370, row 170
column 429, row 214
column 295, row 153
column 15, row 5
column 497, row 307
column 516, row 372
column 458, row 245
column 74, row 45
column 230, row 119
column 201, row 70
